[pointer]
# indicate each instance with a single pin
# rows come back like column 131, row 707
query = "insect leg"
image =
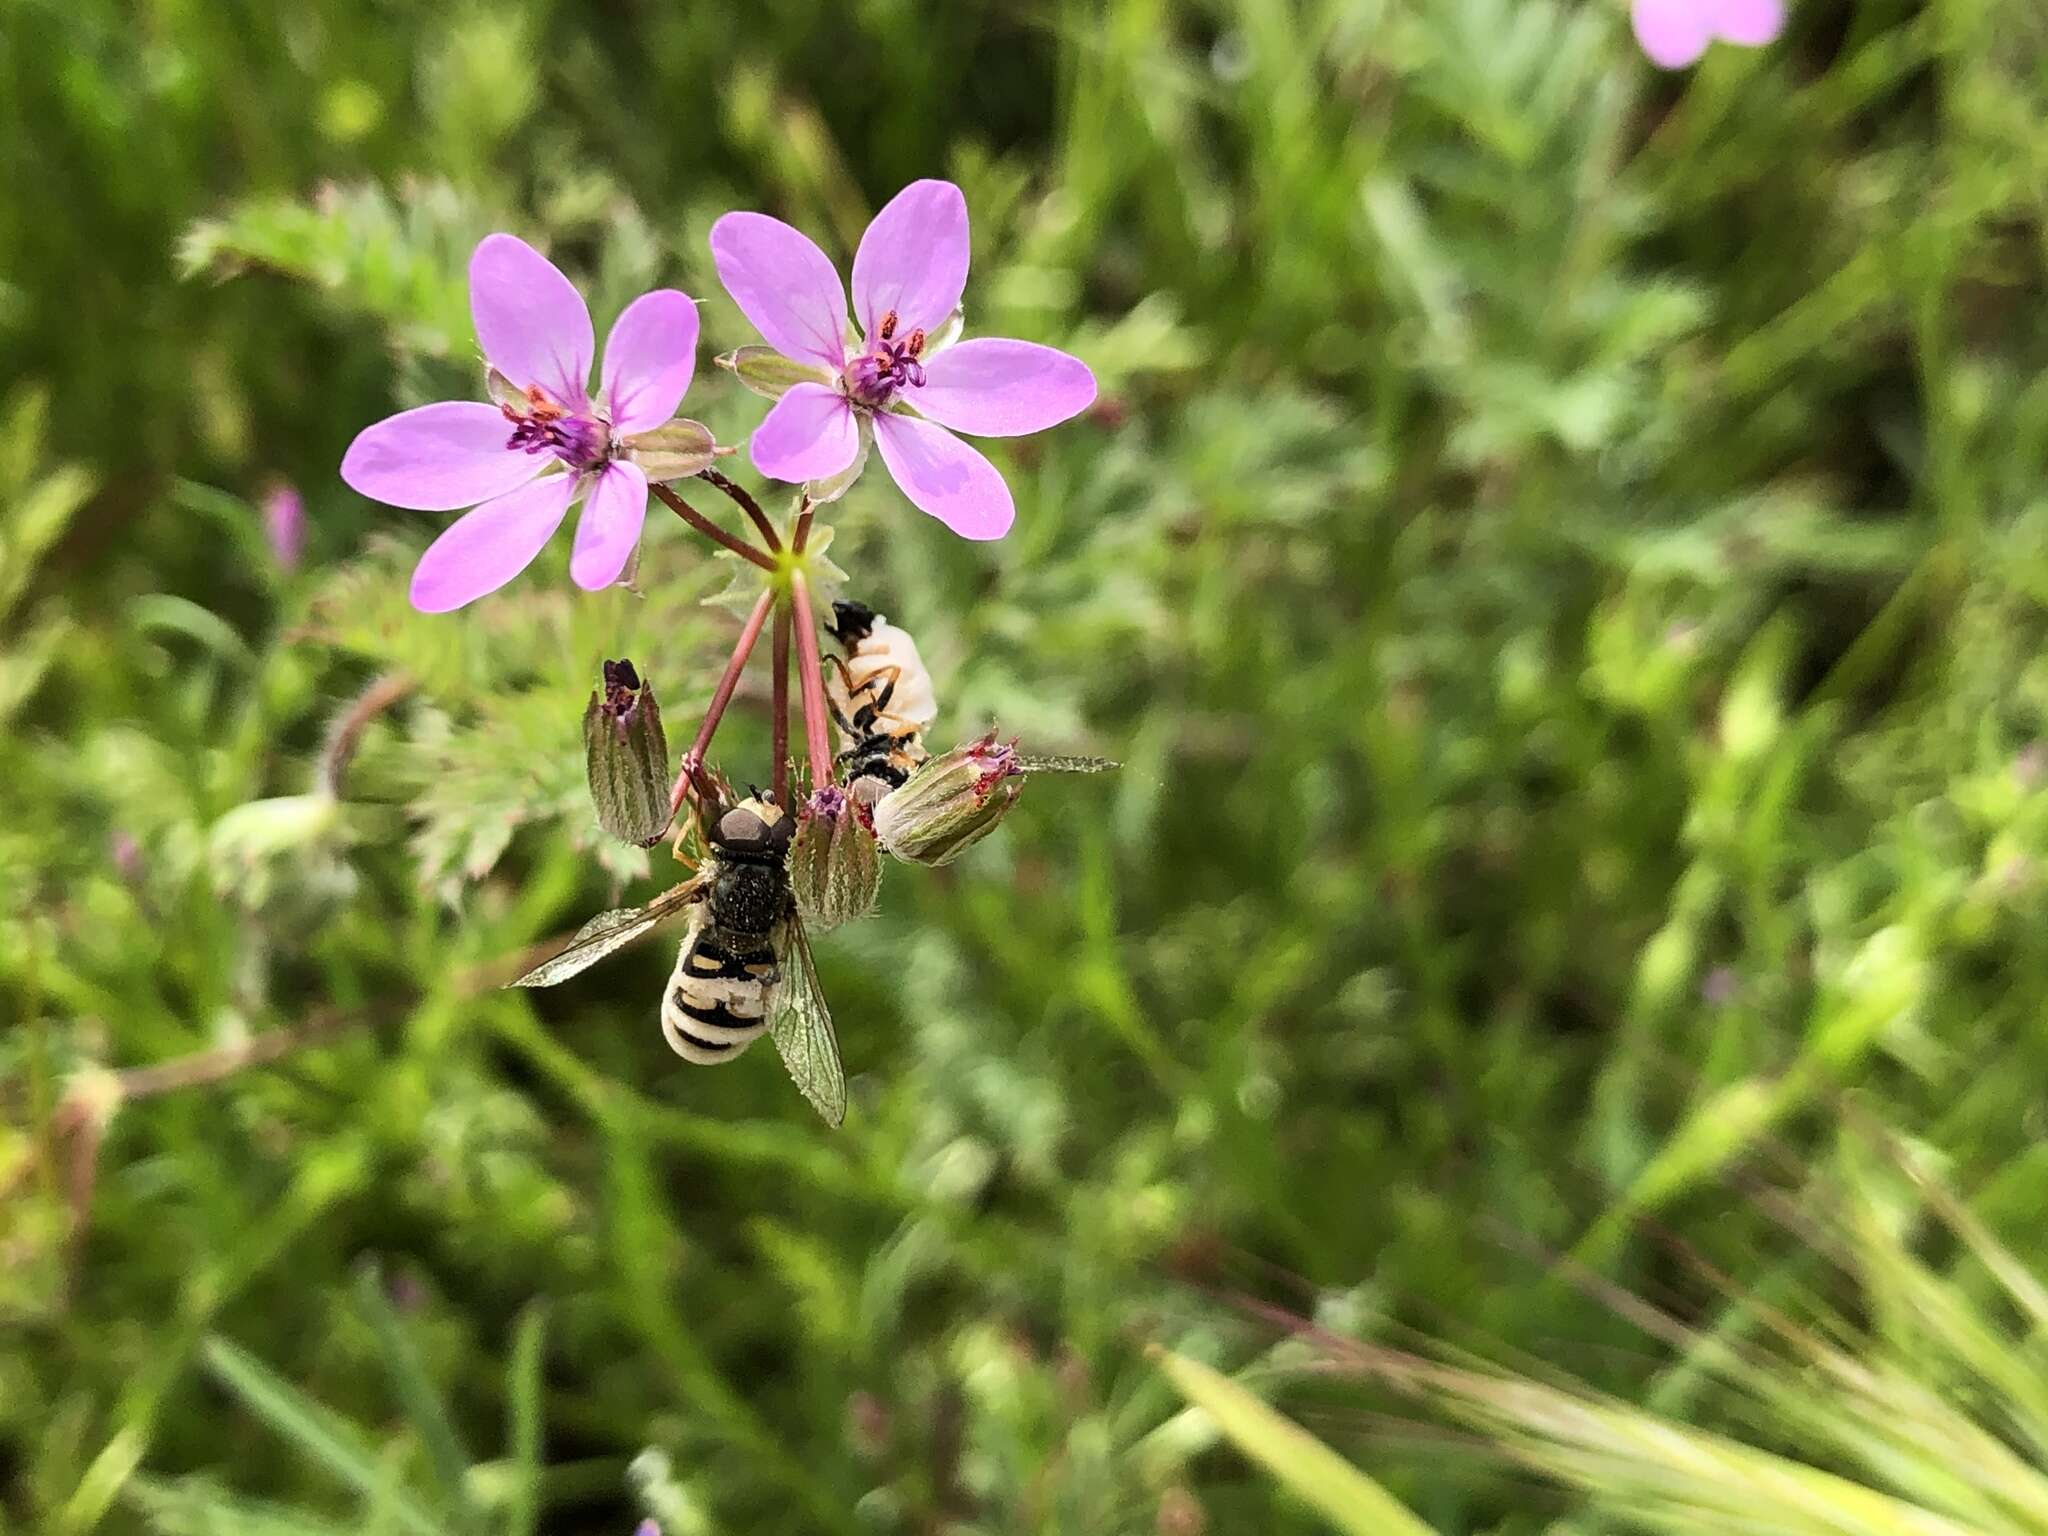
column 687, row 829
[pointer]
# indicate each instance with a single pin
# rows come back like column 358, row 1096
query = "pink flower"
column 284, row 524
column 536, row 335
column 907, row 280
column 1676, row 32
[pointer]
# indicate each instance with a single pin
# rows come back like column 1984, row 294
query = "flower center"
column 885, row 365
column 539, row 425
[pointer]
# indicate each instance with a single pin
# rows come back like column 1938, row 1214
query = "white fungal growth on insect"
column 885, row 654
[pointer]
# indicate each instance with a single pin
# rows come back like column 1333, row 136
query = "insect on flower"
column 881, row 700
column 744, row 967
column 545, row 442
column 1674, row 33
column 925, row 810
column 901, row 383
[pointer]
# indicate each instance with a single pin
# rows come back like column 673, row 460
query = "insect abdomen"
column 717, row 1000
column 885, row 655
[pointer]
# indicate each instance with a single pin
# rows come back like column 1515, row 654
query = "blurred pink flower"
column 1676, row 32
column 535, row 332
column 284, row 524
column 907, row 280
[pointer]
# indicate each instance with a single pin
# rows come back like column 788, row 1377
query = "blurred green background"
column 1560, row 555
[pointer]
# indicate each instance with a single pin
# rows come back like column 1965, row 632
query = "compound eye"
column 783, row 830
column 742, row 829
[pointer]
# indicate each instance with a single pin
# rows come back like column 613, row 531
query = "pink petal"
column 809, row 435
column 482, row 550
column 438, row 457
column 943, row 476
column 1673, row 32
column 530, row 320
column 610, row 525
column 648, row 359
column 784, row 284
column 1750, row 23
column 994, row 387
column 913, row 259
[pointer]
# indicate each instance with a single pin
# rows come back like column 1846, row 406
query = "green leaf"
column 322, row 1435
column 1349, row 1499
column 422, row 1403
column 194, row 1506
column 523, row 1433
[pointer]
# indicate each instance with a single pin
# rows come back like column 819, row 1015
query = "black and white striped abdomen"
column 717, row 1000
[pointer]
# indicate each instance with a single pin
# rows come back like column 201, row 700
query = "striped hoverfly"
column 744, row 966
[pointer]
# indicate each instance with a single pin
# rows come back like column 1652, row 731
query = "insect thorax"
column 749, row 893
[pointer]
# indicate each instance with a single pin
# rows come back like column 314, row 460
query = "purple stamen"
column 873, row 378
column 581, row 442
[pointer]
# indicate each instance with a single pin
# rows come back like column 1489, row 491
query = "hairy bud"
column 950, row 803
column 767, row 372
column 833, row 866
column 627, row 757
column 674, row 450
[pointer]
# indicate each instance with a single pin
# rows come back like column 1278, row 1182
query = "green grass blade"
column 523, row 1433
column 324, row 1437
column 1345, row 1496
column 417, row 1395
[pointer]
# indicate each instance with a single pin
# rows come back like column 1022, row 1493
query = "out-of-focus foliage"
column 1560, row 556
column 1928, row 1415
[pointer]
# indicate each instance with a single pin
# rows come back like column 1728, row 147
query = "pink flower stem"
column 807, row 653
column 778, row 707
column 709, row 529
column 748, row 505
column 693, row 761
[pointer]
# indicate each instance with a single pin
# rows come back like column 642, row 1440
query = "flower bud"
column 767, row 372
column 627, row 757
column 833, row 867
column 675, row 450
column 284, row 524
column 950, row 803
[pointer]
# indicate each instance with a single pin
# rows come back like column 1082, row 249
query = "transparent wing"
column 801, row 1027
column 609, row 931
column 1027, row 763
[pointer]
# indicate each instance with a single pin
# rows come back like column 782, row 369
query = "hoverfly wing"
column 1028, row 763
column 801, row 1026
column 607, row 932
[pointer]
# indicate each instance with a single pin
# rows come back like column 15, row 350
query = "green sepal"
column 767, row 372
column 675, row 450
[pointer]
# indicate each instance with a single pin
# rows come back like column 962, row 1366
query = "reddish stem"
column 693, row 760
column 709, row 529
column 746, row 504
column 778, row 707
column 813, row 674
